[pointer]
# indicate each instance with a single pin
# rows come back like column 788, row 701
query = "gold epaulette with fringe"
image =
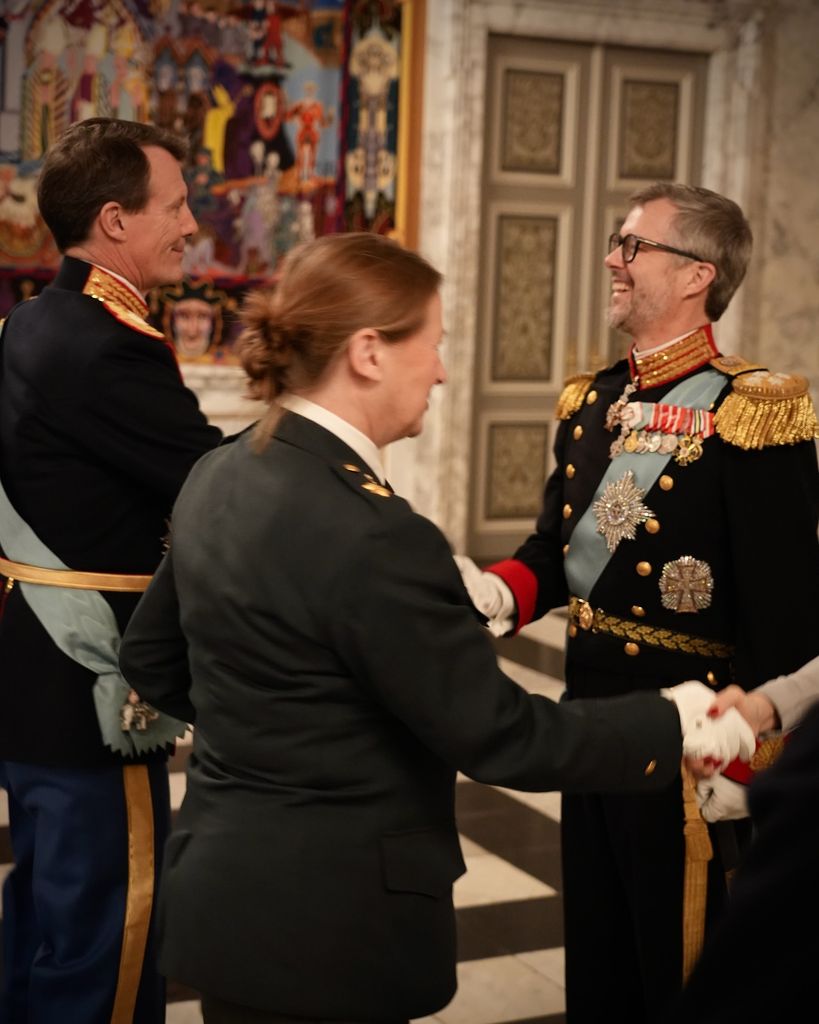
column 572, row 395
column 766, row 409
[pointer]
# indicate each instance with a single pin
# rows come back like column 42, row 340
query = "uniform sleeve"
column 402, row 623
column 794, row 694
column 153, row 656
column 142, row 418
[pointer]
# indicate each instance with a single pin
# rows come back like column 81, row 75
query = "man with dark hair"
column 680, row 519
column 97, row 433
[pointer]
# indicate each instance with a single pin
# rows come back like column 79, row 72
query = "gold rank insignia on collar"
column 368, row 481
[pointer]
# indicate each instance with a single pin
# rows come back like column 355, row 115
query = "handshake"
column 714, row 731
column 711, row 741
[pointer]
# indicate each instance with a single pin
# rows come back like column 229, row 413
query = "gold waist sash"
column 582, row 615
column 70, row 578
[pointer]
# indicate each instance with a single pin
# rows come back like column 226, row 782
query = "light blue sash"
column 82, row 625
column 588, row 552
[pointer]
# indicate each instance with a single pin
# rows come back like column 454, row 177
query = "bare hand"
column 757, row 710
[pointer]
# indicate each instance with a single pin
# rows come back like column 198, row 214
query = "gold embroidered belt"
column 70, row 578
column 582, row 614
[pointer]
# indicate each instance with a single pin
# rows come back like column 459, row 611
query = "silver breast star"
column 619, row 510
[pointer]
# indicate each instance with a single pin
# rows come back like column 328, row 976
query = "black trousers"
column 217, row 1011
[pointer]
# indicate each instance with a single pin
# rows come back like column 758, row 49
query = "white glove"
column 490, row 595
column 724, row 738
column 722, row 799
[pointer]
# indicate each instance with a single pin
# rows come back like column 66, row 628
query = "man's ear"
column 700, row 278
column 111, row 221
column 365, row 351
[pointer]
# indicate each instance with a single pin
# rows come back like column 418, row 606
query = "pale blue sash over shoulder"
column 82, row 624
column 588, row 552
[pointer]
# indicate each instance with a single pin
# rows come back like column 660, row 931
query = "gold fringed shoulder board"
column 573, row 394
column 765, row 409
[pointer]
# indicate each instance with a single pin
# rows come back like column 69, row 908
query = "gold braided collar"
column 684, row 356
column 105, row 287
column 120, row 301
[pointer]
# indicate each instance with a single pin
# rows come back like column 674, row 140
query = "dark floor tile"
column 511, row 830
column 501, row 929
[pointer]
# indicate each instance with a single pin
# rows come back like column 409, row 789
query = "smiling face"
column 412, row 368
column 647, row 295
column 156, row 235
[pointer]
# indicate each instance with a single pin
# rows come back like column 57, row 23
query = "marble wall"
column 762, row 136
column 788, row 233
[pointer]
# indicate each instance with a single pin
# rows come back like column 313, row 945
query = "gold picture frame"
column 410, row 121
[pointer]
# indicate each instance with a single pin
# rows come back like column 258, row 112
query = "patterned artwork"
column 524, row 298
column 516, row 470
column 648, row 133
column 290, row 110
column 532, row 122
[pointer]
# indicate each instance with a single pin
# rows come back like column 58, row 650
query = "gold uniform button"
column 666, row 482
column 649, row 768
column 565, row 550
column 591, row 397
column 577, row 433
column 631, row 649
column 570, row 471
column 711, row 679
column 567, row 511
column 643, row 568
column 637, row 611
column 351, row 467
column 652, row 526
column 572, row 630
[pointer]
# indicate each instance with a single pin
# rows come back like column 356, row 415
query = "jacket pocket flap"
column 426, row 861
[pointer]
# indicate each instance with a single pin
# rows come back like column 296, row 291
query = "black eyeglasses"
column 632, row 243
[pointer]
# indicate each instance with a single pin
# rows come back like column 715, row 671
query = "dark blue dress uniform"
column 97, row 433
column 689, row 523
column 318, row 632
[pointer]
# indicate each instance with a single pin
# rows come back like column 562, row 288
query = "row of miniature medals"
column 655, row 427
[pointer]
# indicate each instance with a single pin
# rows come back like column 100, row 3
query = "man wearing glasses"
column 679, row 527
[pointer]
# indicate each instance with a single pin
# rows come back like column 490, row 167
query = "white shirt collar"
column 350, row 435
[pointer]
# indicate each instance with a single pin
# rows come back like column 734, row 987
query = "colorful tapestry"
column 290, row 110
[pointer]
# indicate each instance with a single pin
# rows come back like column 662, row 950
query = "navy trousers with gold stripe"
column 78, row 906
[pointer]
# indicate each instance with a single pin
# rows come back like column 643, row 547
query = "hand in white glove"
column 723, row 738
column 490, row 595
column 722, row 799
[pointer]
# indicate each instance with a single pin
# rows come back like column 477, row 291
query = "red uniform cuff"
column 766, row 753
column 523, row 583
